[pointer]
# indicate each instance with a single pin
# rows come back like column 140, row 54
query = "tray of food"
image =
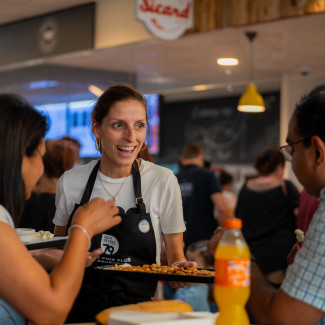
column 45, row 239
column 162, row 272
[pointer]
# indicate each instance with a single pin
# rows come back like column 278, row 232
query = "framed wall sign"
column 166, row 19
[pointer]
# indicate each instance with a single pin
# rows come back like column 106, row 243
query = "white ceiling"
column 294, row 46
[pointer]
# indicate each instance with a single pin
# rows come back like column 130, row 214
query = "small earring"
column 98, row 144
column 144, row 145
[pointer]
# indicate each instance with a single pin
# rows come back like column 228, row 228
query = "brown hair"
column 191, row 150
column 146, row 155
column 114, row 94
column 61, row 155
column 267, row 161
column 225, row 178
column 201, row 247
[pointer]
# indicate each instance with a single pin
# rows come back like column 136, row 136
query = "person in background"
column 307, row 206
column 199, row 296
column 27, row 292
column 147, row 195
column 301, row 299
column 76, row 145
column 227, row 182
column 266, row 205
column 61, row 155
column 201, row 194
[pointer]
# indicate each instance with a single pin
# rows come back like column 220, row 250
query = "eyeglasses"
column 287, row 150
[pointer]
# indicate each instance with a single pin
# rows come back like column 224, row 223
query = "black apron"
column 133, row 242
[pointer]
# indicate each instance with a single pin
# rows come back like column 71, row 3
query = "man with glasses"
column 301, row 298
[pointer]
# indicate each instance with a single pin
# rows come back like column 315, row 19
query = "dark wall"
column 228, row 136
column 55, row 33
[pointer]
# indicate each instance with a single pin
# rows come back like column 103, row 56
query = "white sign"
column 167, row 19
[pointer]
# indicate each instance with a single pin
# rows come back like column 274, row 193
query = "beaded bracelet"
column 84, row 231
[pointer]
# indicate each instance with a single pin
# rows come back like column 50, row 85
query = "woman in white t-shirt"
column 27, row 291
column 148, row 197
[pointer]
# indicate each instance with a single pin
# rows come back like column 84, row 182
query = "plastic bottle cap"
column 233, row 223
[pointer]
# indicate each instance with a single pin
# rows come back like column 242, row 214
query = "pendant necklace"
column 113, row 196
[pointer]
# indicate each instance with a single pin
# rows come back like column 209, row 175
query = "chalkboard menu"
column 227, row 135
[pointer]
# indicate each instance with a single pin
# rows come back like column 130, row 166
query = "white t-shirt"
column 5, row 216
column 230, row 199
column 160, row 192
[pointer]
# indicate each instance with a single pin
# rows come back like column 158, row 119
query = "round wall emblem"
column 48, row 35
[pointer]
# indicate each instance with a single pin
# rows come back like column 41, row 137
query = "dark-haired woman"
column 148, row 197
column 267, row 205
column 27, row 291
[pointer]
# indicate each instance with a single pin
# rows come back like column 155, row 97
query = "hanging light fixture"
column 251, row 100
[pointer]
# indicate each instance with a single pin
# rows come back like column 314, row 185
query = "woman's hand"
column 185, row 264
column 177, row 285
column 92, row 256
column 97, row 216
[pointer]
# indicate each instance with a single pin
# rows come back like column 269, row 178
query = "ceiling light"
column 227, row 61
column 95, row 90
column 251, row 101
column 200, row 87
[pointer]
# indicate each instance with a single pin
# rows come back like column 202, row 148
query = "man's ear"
column 319, row 149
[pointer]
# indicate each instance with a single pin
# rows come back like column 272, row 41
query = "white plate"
column 46, row 243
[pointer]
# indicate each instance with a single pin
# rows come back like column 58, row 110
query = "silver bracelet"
column 177, row 262
column 84, row 231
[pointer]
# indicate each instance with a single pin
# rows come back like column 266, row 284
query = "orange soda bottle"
column 232, row 280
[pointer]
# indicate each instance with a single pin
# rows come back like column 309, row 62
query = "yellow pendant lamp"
column 251, row 100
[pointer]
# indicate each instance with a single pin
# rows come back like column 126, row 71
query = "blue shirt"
column 305, row 278
column 196, row 296
column 9, row 315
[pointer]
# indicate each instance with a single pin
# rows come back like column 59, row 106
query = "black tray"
column 158, row 276
column 47, row 243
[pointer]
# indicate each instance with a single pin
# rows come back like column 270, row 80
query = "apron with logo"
column 133, row 242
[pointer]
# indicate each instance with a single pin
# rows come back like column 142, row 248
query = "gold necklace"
column 113, row 196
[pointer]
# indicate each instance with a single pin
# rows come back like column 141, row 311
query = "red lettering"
column 150, row 5
column 186, row 11
column 168, row 11
column 157, row 10
column 146, row 6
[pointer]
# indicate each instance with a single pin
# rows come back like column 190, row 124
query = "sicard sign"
column 166, row 19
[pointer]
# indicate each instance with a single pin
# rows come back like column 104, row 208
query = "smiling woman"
column 121, row 134
column 147, row 196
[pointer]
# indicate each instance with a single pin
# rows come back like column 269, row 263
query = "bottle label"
column 233, row 273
